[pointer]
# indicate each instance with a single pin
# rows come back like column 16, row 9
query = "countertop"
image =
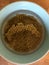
column 45, row 5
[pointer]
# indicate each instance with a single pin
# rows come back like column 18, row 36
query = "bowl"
column 29, row 8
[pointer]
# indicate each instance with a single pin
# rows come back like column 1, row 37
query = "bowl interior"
column 27, row 13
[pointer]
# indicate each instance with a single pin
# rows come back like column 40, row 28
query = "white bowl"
column 34, row 10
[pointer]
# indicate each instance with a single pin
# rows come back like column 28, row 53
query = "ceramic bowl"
column 30, row 9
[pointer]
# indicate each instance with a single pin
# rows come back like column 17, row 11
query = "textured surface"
column 45, row 5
